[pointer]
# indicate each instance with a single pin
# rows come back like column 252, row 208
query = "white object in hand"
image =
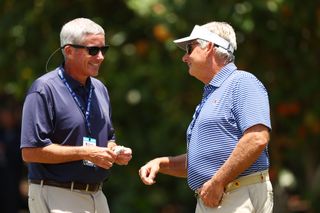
column 119, row 149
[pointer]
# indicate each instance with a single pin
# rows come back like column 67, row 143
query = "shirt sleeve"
column 37, row 125
column 251, row 103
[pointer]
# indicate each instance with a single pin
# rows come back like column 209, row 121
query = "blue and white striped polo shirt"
column 236, row 101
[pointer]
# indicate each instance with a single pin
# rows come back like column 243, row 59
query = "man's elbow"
column 260, row 135
column 27, row 154
column 261, row 140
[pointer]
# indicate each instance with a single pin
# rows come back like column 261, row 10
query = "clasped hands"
column 105, row 157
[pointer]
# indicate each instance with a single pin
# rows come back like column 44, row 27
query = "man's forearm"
column 53, row 154
column 174, row 166
column 247, row 151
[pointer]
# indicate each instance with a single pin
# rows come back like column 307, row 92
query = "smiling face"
column 201, row 62
column 79, row 63
column 195, row 58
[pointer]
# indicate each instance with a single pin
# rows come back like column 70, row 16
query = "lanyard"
column 75, row 98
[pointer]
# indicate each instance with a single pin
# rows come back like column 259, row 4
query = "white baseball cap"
column 199, row 32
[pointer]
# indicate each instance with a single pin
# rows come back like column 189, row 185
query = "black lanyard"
column 75, row 98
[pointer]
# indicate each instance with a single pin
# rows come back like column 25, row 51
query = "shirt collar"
column 74, row 84
column 223, row 74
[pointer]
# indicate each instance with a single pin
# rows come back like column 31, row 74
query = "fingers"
column 127, row 151
column 122, row 150
column 123, row 159
column 210, row 199
column 102, row 157
column 124, row 155
column 105, row 164
column 147, row 175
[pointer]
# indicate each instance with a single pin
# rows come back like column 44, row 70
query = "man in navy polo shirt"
column 67, row 135
column 226, row 162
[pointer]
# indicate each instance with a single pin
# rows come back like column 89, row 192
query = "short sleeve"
column 250, row 102
column 37, row 121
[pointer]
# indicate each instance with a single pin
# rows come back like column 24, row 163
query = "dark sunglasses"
column 189, row 47
column 92, row 50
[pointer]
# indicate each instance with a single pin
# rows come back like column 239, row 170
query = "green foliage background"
column 153, row 96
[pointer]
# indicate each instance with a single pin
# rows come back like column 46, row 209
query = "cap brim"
column 204, row 34
column 182, row 42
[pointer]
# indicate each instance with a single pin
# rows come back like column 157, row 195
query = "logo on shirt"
column 215, row 101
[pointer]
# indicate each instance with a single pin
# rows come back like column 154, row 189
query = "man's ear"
column 67, row 50
column 210, row 47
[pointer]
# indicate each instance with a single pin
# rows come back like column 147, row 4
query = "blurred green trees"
column 153, row 97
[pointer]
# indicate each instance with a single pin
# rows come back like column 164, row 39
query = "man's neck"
column 75, row 75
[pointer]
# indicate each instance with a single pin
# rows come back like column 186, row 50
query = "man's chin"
column 94, row 73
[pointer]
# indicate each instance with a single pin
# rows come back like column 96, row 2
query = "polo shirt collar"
column 74, row 84
column 223, row 74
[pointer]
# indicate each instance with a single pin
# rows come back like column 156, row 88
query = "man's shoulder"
column 244, row 79
column 44, row 82
column 243, row 74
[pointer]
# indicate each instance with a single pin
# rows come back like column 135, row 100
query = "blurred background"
column 153, row 97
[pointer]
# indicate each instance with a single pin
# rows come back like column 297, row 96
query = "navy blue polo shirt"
column 51, row 115
column 233, row 101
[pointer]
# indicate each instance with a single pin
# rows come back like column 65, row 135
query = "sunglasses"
column 189, row 47
column 92, row 50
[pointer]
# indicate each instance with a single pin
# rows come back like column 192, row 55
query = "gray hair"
column 75, row 30
column 225, row 31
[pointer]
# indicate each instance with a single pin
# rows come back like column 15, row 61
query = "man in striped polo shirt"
column 226, row 162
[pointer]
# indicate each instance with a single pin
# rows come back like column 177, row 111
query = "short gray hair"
column 75, row 30
column 225, row 31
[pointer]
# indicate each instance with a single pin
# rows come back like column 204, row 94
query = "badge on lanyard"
column 87, row 141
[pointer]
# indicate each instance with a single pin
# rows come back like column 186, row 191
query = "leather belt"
column 257, row 177
column 92, row 187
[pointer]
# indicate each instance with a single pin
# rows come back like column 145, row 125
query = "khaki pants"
column 255, row 198
column 50, row 199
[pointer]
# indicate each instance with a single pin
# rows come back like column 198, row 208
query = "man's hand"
column 211, row 193
column 149, row 171
column 124, row 155
column 100, row 156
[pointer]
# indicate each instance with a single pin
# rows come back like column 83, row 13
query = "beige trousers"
column 50, row 199
column 255, row 198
